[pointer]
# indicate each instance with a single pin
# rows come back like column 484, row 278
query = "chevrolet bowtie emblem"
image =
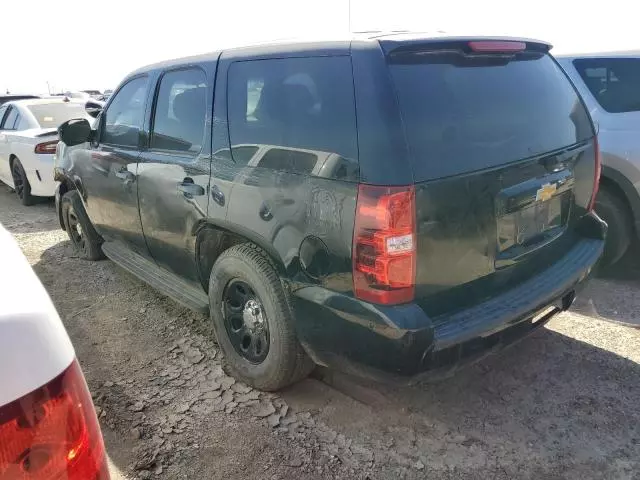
column 545, row 192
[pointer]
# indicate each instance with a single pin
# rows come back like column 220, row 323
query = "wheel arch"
column 65, row 185
column 616, row 182
column 212, row 239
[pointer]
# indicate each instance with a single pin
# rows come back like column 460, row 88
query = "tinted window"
column 463, row 115
column 10, row 119
column 3, row 110
column 289, row 160
column 293, row 104
column 124, row 117
column 180, row 111
column 52, row 115
column 614, row 82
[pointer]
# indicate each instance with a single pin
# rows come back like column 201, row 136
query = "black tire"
column 285, row 361
column 614, row 210
column 21, row 183
column 83, row 236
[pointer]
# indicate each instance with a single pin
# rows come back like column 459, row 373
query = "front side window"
column 124, row 117
column 180, row 112
column 298, row 111
column 614, row 82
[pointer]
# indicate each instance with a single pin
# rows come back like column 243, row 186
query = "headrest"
column 188, row 101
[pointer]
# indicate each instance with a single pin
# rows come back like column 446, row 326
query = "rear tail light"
column 384, row 244
column 46, row 147
column 497, row 46
column 596, row 175
column 53, row 433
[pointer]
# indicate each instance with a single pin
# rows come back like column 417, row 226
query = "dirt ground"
column 563, row 404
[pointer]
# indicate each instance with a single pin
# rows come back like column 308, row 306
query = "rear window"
column 462, row 116
column 52, row 115
column 614, row 82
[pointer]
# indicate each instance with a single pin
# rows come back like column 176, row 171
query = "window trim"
column 581, row 65
column 6, row 116
column 17, row 121
column 4, row 113
column 103, row 114
column 154, row 105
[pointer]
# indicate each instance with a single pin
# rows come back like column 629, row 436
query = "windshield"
column 52, row 115
column 463, row 116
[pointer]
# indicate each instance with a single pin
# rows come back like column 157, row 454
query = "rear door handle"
column 190, row 189
column 126, row 175
column 217, row 195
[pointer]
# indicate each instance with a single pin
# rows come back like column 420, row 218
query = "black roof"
column 341, row 46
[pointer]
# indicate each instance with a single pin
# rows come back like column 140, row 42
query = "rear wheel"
column 83, row 236
column 253, row 321
column 614, row 210
column 21, row 183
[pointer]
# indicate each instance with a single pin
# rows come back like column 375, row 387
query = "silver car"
column 610, row 86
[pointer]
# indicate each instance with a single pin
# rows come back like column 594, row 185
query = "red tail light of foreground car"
column 53, row 433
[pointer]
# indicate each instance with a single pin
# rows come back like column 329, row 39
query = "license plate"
column 536, row 219
column 521, row 226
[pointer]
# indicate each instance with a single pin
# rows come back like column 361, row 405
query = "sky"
column 80, row 44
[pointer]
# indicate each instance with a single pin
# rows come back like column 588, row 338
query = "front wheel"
column 83, row 236
column 253, row 322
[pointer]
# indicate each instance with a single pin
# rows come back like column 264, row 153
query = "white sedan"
column 28, row 139
column 48, row 425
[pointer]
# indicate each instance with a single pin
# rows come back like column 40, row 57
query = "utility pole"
column 48, row 87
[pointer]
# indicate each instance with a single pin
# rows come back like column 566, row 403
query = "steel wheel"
column 18, row 181
column 75, row 229
column 245, row 321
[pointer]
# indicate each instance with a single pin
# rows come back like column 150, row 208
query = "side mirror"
column 74, row 132
column 94, row 107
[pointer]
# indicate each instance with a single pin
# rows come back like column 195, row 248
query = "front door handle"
column 190, row 189
column 217, row 195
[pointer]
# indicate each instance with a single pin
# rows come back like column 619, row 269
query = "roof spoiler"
column 391, row 46
column 46, row 133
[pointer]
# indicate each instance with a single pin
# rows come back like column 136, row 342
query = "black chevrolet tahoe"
column 391, row 206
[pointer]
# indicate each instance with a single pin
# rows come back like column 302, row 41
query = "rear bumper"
column 403, row 343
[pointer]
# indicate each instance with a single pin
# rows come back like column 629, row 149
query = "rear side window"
column 180, row 111
column 11, row 119
column 614, row 82
column 463, row 115
column 296, row 112
column 124, row 116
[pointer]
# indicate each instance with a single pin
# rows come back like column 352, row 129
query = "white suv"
column 610, row 86
column 48, row 425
